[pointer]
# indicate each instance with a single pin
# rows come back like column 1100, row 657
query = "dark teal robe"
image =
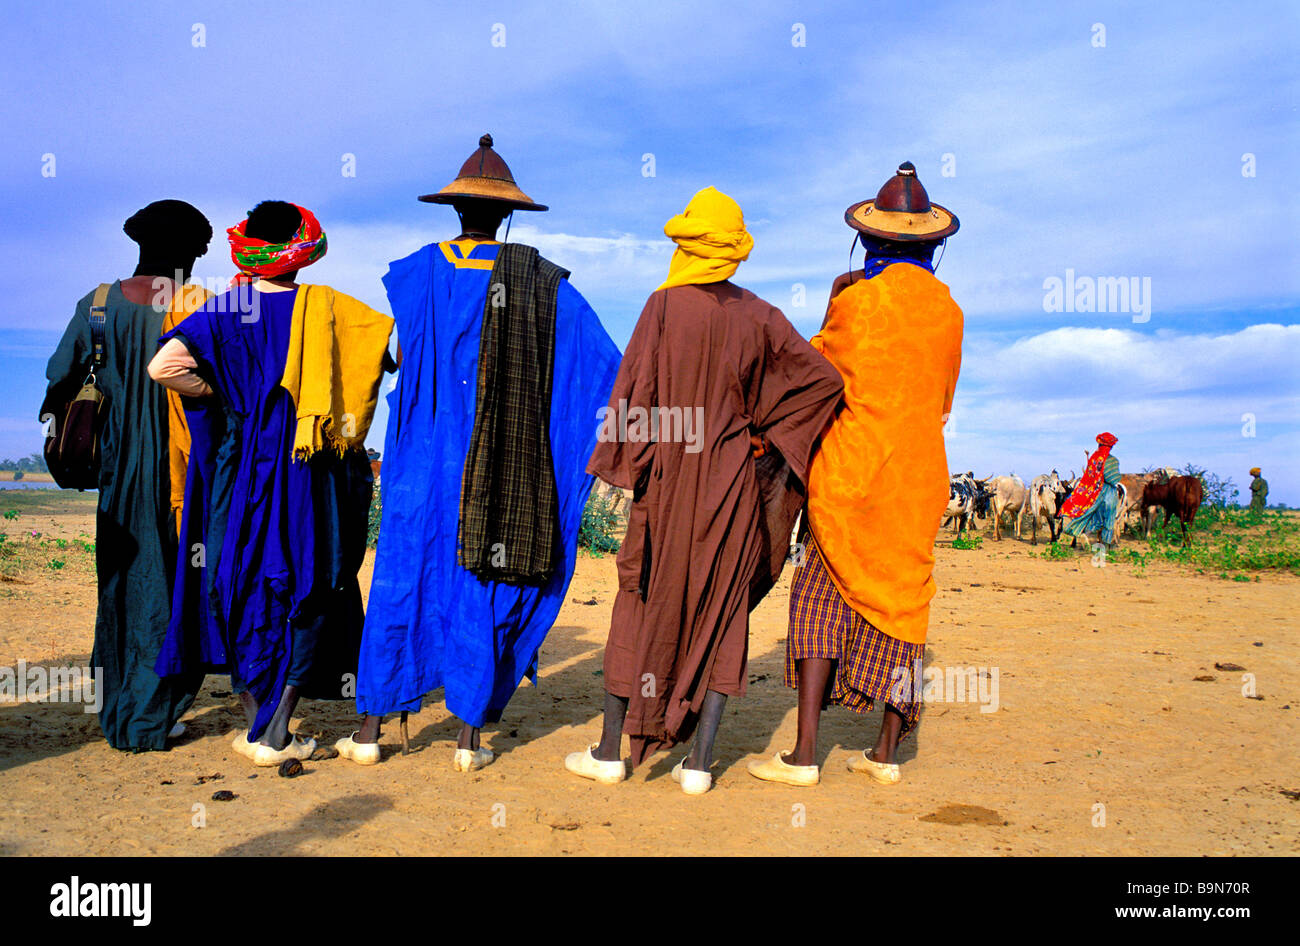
column 135, row 532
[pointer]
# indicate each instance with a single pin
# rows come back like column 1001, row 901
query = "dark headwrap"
column 170, row 221
column 171, row 235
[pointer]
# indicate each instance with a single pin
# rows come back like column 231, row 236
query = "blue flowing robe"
column 266, row 584
column 429, row 622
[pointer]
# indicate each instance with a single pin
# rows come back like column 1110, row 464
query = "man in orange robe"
column 877, row 485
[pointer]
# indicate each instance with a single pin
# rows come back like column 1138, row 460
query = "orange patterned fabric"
column 190, row 297
column 878, row 484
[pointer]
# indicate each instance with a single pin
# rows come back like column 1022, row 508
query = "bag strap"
column 98, row 318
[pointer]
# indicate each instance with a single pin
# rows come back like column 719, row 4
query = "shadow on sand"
column 327, row 821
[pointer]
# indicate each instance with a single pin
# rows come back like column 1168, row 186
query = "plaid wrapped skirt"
column 871, row 664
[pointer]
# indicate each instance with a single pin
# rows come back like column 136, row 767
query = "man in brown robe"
column 711, row 423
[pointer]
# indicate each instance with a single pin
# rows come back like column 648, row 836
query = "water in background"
column 27, row 484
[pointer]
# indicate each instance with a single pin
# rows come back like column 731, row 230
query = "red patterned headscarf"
column 258, row 258
column 1089, row 488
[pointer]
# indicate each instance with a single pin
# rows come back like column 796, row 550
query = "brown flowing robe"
column 709, row 526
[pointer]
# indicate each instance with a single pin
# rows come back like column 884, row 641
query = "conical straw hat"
column 902, row 211
column 484, row 176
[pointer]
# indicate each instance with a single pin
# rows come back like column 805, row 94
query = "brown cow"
column 1179, row 496
column 1136, row 511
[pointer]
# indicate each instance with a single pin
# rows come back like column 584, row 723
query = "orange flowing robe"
column 878, row 484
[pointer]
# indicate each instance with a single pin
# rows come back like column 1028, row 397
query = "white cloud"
column 1037, row 402
column 1125, row 362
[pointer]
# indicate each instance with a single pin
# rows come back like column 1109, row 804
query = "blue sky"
column 1057, row 153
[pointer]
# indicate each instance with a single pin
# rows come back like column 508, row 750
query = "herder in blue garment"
column 281, row 382
column 503, row 369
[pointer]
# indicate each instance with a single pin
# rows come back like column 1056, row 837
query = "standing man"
column 281, row 382
column 877, row 486
column 135, row 530
column 502, row 368
column 710, row 424
column 1258, row 490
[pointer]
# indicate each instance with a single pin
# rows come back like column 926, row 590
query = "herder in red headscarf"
column 1093, row 505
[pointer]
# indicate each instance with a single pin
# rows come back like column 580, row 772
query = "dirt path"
column 1098, row 704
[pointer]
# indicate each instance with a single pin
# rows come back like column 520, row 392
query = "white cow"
column 1009, row 495
column 966, row 499
column 959, row 503
column 1046, row 493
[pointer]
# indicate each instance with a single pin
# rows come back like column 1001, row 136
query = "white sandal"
column 586, row 765
column 776, row 769
column 362, row 753
column 692, row 781
column 471, row 760
column 886, row 773
column 264, row 755
column 242, row 745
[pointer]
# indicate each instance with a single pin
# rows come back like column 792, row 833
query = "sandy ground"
column 1099, row 705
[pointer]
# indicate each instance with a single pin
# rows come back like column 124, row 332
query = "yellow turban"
column 1254, row 471
column 711, row 240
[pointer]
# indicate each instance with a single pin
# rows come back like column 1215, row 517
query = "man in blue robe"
column 491, row 421
column 280, row 381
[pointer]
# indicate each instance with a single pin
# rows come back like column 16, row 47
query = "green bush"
column 600, row 523
column 597, row 533
column 1216, row 491
column 1219, row 540
column 968, row 541
column 372, row 523
column 1056, row 550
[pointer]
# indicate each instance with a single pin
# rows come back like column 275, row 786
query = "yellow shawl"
column 711, row 240
column 335, row 363
column 190, row 297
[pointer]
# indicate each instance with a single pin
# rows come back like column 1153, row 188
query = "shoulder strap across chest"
column 98, row 318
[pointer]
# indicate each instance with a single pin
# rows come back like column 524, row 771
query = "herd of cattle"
column 1141, row 497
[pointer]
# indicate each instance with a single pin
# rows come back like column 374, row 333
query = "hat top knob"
column 907, row 167
column 485, row 141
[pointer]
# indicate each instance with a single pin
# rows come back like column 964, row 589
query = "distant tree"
column 32, row 464
column 1219, row 492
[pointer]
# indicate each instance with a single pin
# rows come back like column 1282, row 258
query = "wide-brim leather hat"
column 484, row 176
column 902, row 211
